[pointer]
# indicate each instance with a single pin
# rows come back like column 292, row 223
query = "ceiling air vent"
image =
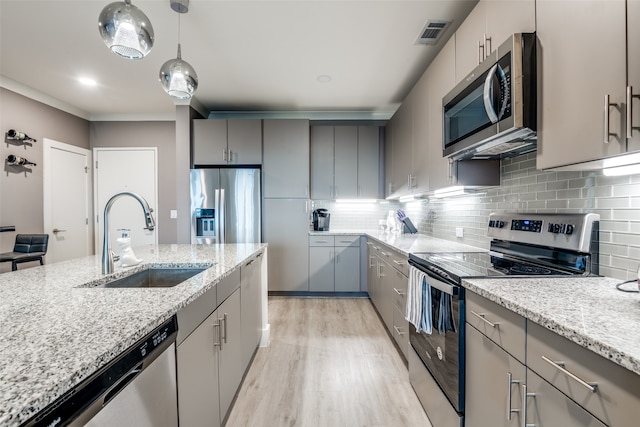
column 432, row 32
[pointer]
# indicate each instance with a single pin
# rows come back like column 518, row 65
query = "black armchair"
column 28, row 247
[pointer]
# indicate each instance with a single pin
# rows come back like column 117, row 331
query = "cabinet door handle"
column 219, row 343
column 398, row 292
column 400, row 263
column 607, row 107
column 225, row 329
column 370, row 261
column 510, row 384
column 224, row 154
column 481, row 316
column 480, row 53
column 487, row 44
column 592, row 387
column 525, row 395
column 630, row 98
column 398, row 331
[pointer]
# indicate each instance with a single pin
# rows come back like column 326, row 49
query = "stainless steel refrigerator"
column 225, row 205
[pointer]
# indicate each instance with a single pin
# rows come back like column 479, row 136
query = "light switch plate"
column 173, row 213
column 459, row 232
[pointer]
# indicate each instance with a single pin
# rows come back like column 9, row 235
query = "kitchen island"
column 59, row 328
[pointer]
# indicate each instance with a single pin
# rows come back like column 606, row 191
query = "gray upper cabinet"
column 227, row 142
column 633, row 73
column 322, row 162
column 440, row 81
column 488, row 25
column 402, row 128
column 419, row 180
column 244, row 141
column 369, row 162
column 285, row 166
column 577, row 74
column 345, row 162
column 388, row 158
column 209, row 141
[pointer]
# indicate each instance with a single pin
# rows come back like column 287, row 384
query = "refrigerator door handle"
column 216, row 204
column 222, row 223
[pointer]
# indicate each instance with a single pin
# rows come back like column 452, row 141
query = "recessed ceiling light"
column 324, row 78
column 87, row 82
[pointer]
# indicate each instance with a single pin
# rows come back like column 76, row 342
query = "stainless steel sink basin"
column 154, row 278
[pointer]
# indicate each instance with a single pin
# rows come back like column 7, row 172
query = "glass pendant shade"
column 126, row 30
column 178, row 78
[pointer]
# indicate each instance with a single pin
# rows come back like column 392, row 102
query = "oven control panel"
column 526, row 225
column 565, row 231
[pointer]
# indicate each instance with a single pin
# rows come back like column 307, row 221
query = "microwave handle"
column 488, row 89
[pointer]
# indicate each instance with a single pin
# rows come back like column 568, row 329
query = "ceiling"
column 260, row 55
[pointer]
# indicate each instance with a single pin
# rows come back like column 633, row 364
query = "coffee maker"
column 321, row 220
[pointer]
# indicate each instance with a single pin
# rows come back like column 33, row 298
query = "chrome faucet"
column 107, row 255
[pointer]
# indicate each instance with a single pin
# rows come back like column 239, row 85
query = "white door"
column 66, row 200
column 125, row 169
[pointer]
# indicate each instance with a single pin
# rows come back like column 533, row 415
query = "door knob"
column 57, row 230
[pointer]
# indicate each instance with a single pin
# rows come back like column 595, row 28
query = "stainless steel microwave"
column 491, row 114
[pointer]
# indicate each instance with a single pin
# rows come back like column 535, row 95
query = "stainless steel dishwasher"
column 138, row 388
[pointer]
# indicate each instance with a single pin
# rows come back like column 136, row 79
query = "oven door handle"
column 441, row 286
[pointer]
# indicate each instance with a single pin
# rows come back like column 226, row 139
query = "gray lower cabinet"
column 230, row 365
column 494, row 381
column 197, row 370
column 547, row 406
column 250, row 307
column 210, row 362
column 286, row 230
column 334, row 263
column 564, row 384
column 347, row 268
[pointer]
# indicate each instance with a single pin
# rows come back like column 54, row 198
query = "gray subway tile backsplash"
column 524, row 189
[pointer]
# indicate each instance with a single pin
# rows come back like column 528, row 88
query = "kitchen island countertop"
column 57, row 331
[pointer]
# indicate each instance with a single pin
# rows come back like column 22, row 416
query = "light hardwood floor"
column 330, row 363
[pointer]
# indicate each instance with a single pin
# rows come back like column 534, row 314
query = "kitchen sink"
column 154, row 278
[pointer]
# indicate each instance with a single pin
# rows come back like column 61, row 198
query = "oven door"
column 442, row 351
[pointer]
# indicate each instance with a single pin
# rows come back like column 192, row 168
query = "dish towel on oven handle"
column 446, row 322
column 418, row 309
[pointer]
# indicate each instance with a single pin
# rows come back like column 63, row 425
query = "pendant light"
column 178, row 78
column 126, row 30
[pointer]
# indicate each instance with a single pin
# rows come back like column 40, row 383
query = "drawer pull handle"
column 398, row 292
column 322, row 241
column 347, row 241
column 510, row 384
column 481, row 316
column 526, row 395
column 384, row 253
column 398, row 331
column 592, row 387
column 400, row 263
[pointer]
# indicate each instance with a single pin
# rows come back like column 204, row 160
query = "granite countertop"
column 404, row 243
column 55, row 332
column 589, row 311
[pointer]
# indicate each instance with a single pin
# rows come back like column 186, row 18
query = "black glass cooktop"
column 460, row 265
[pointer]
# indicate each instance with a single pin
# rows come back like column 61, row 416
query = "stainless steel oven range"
column 523, row 245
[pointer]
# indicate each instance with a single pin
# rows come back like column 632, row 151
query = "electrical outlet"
column 173, row 214
column 459, row 232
